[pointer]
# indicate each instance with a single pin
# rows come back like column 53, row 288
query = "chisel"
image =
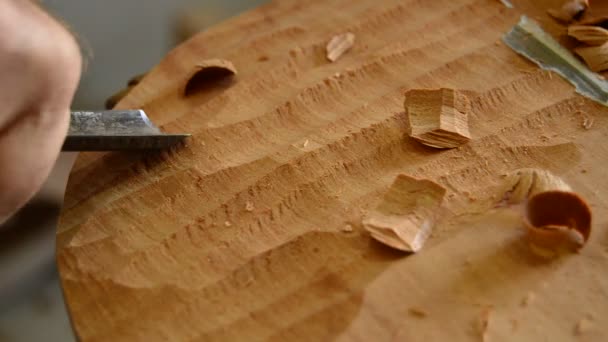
column 114, row 130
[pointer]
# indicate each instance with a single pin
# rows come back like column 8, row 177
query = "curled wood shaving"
column 438, row 117
column 207, row 73
column 522, row 184
column 555, row 216
column 596, row 57
column 551, row 216
column 592, row 35
column 405, row 218
column 338, row 45
column 570, row 10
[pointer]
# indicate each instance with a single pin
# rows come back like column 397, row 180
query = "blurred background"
column 122, row 38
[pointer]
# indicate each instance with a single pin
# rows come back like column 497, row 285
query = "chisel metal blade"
column 115, row 130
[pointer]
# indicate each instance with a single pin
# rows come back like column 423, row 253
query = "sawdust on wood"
column 339, row 45
column 405, row 218
column 438, row 117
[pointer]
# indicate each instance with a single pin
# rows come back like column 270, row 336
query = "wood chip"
column 592, row 35
column 339, row 45
column 522, row 184
column 570, row 10
column 249, row 206
column 405, row 218
column 227, row 224
column 209, row 73
column 596, row 57
column 438, row 117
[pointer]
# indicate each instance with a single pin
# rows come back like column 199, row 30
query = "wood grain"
column 166, row 247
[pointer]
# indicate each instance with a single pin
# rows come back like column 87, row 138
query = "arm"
column 40, row 66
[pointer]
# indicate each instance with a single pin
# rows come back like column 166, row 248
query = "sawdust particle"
column 588, row 123
column 583, row 326
column 514, row 324
column 347, row 228
column 530, row 296
column 484, row 322
column 418, row 312
column 249, row 206
column 468, row 262
column 305, row 143
column 227, row 224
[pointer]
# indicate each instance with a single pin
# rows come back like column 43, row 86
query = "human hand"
column 40, row 66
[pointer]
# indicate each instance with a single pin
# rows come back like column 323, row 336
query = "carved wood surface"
column 240, row 234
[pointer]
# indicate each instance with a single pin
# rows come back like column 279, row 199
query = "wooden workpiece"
column 252, row 230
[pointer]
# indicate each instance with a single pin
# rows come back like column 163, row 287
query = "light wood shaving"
column 596, row 57
column 339, row 45
column 570, row 10
column 522, row 184
column 592, row 35
column 438, row 117
column 405, row 218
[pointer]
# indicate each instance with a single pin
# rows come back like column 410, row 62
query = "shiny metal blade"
column 116, row 130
